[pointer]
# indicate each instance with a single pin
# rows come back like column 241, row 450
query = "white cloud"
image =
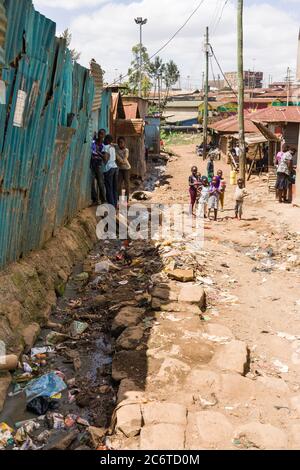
column 68, row 4
column 108, row 32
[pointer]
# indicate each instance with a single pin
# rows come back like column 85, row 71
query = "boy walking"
column 240, row 195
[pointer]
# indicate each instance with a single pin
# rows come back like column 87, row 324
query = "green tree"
column 171, row 75
column 67, row 35
column 134, row 71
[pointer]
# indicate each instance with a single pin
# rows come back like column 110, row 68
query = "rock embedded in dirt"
column 193, row 294
column 62, row 440
column 182, row 275
column 165, row 293
column 183, row 307
column 30, row 335
column 130, row 338
column 261, row 436
column 9, row 362
column 128, row 389
column 206, row 381
column 162, row 437
column 129, row 419
column 170, row 413
column 127, row 316
column 217, row 333
column 272, row 383
column 96, row 435
column 209, row 429
column 5, row 381
column 232, row 357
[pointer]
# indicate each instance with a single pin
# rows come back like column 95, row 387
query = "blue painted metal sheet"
column 44, row 165
column 152, row 134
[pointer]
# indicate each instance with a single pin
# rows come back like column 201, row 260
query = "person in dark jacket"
column 98, row 160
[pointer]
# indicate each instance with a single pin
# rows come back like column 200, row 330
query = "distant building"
column 251, row 79
column 298, row 60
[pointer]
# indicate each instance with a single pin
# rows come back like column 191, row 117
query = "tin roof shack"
column 45, row 137
column 224, row 130
column 133, row 131
column 182, row 113
column 131, row 103
column 283, row 122
column 123, row 119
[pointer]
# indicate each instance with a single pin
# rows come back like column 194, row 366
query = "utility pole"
column 205, row 115
column 241, row 89
column 141, row 22
column 288, row 82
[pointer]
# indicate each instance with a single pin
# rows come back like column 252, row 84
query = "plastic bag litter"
column 42, row 350
column 105, row 266
column 45, row 386
column 40, row 405
column 77, row 328
column 6, row 437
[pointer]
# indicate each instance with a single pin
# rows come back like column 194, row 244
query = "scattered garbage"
column 141, row 195
column 41, row 350
column 82, row 277
column 54, row 338
column 105, row 266
column 6, row 436
column 9, row 362
column 77, row 328
column 45, row 386
column 41, row 405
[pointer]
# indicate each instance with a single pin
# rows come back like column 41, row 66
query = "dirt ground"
column 250, row 273
column 194, row 347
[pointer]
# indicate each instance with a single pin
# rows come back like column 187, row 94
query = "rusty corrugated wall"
column 44, row 132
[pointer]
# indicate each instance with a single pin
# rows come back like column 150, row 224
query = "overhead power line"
column 220, row 17
column 172, row 37
column 221, row 70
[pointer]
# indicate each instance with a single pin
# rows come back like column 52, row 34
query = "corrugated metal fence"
column 44, row 133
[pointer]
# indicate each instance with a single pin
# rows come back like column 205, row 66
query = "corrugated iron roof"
column 184, row 104
column 231, row 125
column 129, row 127
column 277, row 114
column 97, row 74
column 131, row 110
column 3, row 25
column 44, row 165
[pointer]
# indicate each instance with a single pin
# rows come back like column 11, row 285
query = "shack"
column 122, row 116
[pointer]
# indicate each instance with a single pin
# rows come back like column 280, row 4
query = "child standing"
column 210, row 168
column 222, row 188
column 214, row 196
column 240, row 195
column 194, row 185
column 204, row 197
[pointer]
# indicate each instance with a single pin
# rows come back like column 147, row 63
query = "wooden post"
column 205, row 116
column 241, row 90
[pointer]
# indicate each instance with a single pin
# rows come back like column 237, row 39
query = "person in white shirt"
column 111, row 172
column 240, row 195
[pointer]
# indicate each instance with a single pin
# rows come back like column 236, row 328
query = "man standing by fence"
column 98, row 161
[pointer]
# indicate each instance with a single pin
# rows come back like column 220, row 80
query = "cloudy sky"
column 105, row 30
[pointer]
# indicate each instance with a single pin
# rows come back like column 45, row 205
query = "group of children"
column 207, row 193
column 110, row 168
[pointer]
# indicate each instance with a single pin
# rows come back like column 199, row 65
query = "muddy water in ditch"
column 94, row 393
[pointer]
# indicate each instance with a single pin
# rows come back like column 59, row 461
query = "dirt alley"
column 192, row 348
